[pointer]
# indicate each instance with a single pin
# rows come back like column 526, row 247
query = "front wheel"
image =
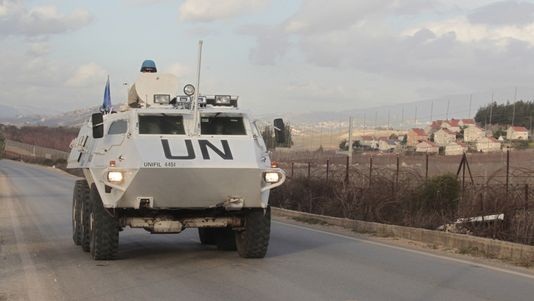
column 253, row 241
column 104, row 229
column 76, row 213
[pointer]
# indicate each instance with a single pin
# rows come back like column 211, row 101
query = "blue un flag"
column 106, row 105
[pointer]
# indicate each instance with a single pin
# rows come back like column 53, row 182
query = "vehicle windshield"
column 222, row 125
column 161, row 124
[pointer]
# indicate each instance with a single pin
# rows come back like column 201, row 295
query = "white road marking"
column 412, row 251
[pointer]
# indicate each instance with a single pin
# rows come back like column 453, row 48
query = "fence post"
column 426, row 166
column 526, row 198
column 507, row 171
column 370, row 170
column 397, row 174
column 347, row 170
column 309, row 169
column 292, row 169
column 327, row 168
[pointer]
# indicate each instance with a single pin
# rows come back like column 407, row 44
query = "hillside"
column 52, row 137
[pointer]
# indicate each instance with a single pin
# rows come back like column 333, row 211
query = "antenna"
column 197, row 92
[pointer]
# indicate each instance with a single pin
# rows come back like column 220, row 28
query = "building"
column 466, row 123
column 455, row 148
column 444, row 137
column 517, row 133
column 415, row 136
column 368, row 142
column 387, row 145
column 452, row 125
column 473, row 133
column 487, row 144
column 427, row 147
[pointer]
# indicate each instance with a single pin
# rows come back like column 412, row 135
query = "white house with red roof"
column 427, row 147
column 415, row 136
column 487, row 144
column 455, row 148
column 517, row 133
column 444, row 137
column 473, row 133
column 466, row 122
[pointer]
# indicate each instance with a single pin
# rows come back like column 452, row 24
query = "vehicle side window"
column 161, row 124
column 222, row 126
column 118, row 127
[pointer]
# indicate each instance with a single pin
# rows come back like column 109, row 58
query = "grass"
column 310, row 220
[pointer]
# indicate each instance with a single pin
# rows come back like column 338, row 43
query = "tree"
column 503, row 114
column 343, row 145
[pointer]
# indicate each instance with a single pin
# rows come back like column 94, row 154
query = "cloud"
column 503, row 13
column 214, row 10
column 366, row 37
column 87, row 75
column 18, row 19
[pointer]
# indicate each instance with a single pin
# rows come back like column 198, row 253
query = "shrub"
column 436, row 201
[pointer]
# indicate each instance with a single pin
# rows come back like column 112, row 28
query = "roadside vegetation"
column 437, row 202
column 52, row 137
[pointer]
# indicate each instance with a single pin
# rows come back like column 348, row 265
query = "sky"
column 278, row 55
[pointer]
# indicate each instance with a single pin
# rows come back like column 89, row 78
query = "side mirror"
column 97, row 119
column 279, row 131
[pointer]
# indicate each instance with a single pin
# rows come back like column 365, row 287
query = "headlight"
column 162, row 98
column 115, row 176
column 271, row 177
column 222, row 99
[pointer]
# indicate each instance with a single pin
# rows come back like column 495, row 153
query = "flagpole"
column 196, row 117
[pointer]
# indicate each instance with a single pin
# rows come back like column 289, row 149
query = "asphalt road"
column 40, row 262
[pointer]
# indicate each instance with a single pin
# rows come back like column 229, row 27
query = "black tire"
column 207, row 236
column 104, row 230
column 226, row 239
column 76, row 213
column 85, row 217
column 253, row 241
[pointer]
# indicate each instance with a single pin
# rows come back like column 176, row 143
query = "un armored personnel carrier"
column 167, row 162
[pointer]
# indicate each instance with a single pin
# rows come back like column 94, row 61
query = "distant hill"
column 68, row 119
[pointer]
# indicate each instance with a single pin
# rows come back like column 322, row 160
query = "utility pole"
column 513, row 112
column 349, row 141
column 388, row 119
column 491, row 107
column 363, row 124
column 431, row 110
column 415, row 117
column 402, row 116
column 448, row 104
column 470, row 101
column 376, row 119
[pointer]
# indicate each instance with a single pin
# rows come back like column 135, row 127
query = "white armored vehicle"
column 166, row 162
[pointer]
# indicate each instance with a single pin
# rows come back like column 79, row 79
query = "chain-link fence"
column 494, row 189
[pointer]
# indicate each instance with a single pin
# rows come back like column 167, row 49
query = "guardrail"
column 514, row 252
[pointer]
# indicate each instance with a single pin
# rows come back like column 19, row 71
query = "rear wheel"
column 207, row 236
column 104, row 242
column 253, row 241
column 85, row 214
column 76, row 213
column 226, row 239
